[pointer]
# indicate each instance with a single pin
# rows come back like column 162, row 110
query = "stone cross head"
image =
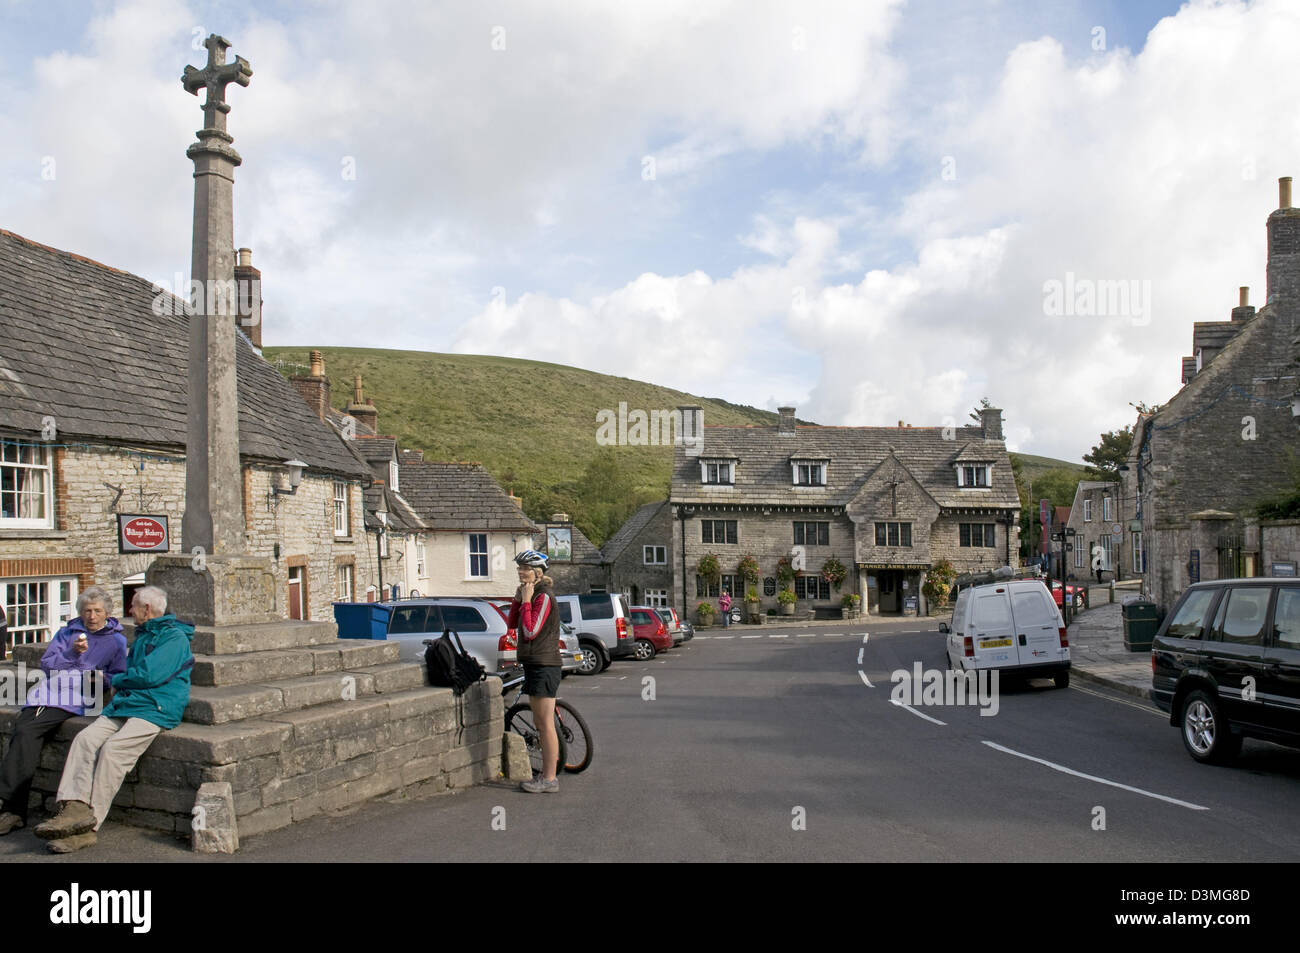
column 215, row 77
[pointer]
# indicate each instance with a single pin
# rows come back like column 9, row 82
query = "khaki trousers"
column 100, row 757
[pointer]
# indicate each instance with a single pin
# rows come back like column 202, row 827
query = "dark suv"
column 1226, row 665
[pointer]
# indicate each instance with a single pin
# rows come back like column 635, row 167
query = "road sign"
column 1116, row 529
column 1057, row 537
column 1070, row 531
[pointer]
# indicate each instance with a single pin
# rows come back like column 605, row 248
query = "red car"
column 651, row 634
column 1079, row 593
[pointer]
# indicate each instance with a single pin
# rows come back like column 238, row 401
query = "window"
column 1107, row 552
column 707, row 590
column 1105, row 508
column 383, row 543
column 392, row 475
column 1240, row 619
column 811, row 587
column 478, row 556
column 1087, row 511
column 734, row 585
column 655, row 555
column 717, row 472
column 769, row 586
column 812, row 534
column 25, row 485
column 596, row 606
column 1080, row 547
column 344, row 586
column 462, row 619
column 1139, row 555
column 1286, row 618
column 36, row 609
column 978, row 534
column 717, row 531
column 656, row 598
column 1189, row 620
column 419, row 558
column 894, row 534
column 342, row 516
column 809, row 474
column 975, row 475
column 407, row 619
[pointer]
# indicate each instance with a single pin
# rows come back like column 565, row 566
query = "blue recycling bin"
column 362, row 620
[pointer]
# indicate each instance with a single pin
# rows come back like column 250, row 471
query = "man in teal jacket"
column 149, row 697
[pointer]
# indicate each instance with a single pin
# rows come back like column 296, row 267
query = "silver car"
column 480, row 625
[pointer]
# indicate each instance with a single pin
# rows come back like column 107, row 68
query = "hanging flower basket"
column 748, row 570
column 833, row 571
column 784, row 572
column 709, row 568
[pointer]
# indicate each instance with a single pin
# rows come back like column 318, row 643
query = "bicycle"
column 576, row 746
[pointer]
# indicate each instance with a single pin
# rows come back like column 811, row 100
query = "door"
column 890, row 584
column 296, row 587
column 1235, row 651
column 991, row 628
column 1037, row 625
column 1280, row 686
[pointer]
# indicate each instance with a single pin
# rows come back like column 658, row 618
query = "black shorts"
column 541, row 681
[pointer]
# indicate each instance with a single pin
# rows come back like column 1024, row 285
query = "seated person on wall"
column 88, row 648
column 148, row 697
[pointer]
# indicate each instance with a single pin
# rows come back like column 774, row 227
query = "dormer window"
column 719, row 472
column 392, row 475
column 808, row 472
column 975, row 475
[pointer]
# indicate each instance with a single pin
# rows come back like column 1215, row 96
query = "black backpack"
column 450, row 666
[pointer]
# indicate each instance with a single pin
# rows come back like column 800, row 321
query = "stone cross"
column 215, row 77
column 214, row 515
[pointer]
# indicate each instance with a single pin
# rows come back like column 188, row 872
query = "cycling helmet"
column 531, row 557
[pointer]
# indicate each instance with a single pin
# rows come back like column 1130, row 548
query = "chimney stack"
column 364, row 414
column 315, row 387
column 1243, row 312
column 1283, row 270
column 249, row 282
column 991, row 420
column 785, row 426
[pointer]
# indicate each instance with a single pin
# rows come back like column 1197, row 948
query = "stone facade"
column 1097, row 508
column 630, row 570
column 1226, row 441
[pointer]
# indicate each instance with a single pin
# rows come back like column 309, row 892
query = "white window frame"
column 45, row 470
column 1105, row 509
column 1080, row 547
column 1107, row 552
column 52, row 611
column 471, row 554
column 720, row 469
column 984, row 469
column 816, row 472
column 1138, row 554
column 342, row 509
column 383, row 542
column 1087, row 510
column 392, row 475
column 649, row 552
column 656, row 598
column 419, row 558
column 345, row 582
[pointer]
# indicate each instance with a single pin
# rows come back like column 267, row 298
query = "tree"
column 1108, row 456
column 985, row 404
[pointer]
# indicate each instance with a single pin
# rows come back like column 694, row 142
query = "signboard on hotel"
column 138, row 533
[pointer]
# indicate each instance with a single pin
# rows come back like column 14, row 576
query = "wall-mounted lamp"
column 295, row 468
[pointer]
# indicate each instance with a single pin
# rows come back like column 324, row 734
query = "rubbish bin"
column 1141, row 621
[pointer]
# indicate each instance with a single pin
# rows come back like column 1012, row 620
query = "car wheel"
column 1206, row 733
column 1062, row 680
column 644, row 650
column 593, row 660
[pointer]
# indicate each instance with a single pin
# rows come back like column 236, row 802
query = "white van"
column 1013, row 626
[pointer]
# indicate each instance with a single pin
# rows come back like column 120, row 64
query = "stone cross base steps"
column 299, row 723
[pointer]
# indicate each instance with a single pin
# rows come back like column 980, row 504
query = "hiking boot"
column 66, row 845
column 74, row 817
column 9, row 822
column 538, row 786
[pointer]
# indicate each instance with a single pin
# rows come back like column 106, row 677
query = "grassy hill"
column 542, row 446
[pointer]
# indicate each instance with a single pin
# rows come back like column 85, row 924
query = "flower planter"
column 786, row 608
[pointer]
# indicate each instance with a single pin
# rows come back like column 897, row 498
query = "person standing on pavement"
column 534, row 615
column 724, row 603
column 91, row 643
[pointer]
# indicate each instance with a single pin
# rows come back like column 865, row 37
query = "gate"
column 1232, row 561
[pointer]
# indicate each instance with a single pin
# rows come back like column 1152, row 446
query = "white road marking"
column 704, row 636
column 720, row 637
column 751, row 636
column 860, row 651
column 770, row 636
column 806, row 635
column 863, row 675
column 918, row 714
column 1090, row 777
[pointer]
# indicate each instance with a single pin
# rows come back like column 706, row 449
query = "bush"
column 748, row 570
column 833, row 571
column 709, row 568
column 785, row 597
column 938, row 582
column 850, row 600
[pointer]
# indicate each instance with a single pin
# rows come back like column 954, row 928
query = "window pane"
column 1243, row 623
column 1190, row 618
column 1286, row 618
column 731, row 531
column 906, row 534
column 880, row 534
column 798, row 533
column 989, row 536
column 823, row 534
column 965, row 534
column 463, row 619
column 596, row 607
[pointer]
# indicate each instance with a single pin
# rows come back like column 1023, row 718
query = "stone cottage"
column 885, row 503
column 1228, row 439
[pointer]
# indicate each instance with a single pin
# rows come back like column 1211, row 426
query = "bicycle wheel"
column 576, row 737
column 519, row 719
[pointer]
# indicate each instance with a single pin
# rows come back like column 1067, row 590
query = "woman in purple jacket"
column 90, row 646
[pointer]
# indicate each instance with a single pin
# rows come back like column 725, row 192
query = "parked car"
column 1225, row 665
column 651, row 634
column 604, row 627
column 672, row 623
column 478, row 622
column 1079, row 594
column 1011, row 626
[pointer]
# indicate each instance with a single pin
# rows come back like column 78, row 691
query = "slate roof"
column 81, row 343
column 460, row 496
column 402, row 517
column 376, row 450
column 1214, row 333
column 629, row 531
column 763, row 476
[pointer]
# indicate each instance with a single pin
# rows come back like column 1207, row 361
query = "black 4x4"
column 1226, row 665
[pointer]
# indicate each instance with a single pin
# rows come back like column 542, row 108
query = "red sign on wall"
column 142, row 534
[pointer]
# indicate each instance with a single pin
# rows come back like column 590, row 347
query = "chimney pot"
column 245, row 258
column 356, row 389
column 317, row 364
column 1244, row 292
column 1284, row 192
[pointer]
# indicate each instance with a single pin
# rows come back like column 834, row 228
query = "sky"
column 871, row 210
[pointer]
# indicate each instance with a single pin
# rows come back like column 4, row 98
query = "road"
column 770, row 745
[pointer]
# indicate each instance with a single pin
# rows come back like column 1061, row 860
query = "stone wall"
column 629, row 570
